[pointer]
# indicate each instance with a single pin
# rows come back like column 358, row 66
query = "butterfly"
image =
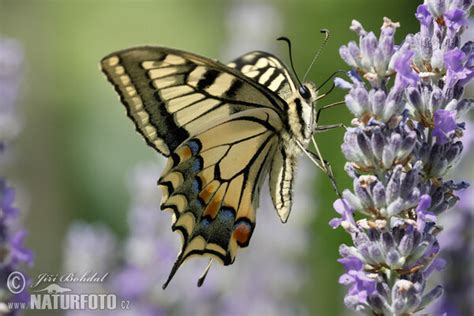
column 224, row 129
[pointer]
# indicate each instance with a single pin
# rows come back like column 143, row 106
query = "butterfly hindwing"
column 170, row 94
column 212, row 182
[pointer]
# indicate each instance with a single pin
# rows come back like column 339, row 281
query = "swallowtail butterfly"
column 223, row 128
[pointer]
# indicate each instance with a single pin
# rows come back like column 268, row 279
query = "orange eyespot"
column 242, row 233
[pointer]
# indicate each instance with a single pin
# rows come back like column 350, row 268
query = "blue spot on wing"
column 197, row 165
column 226, row 215
column 243, row 221
column 205, row 222
column 198, row 203
column 195, row 146
column 196, row 185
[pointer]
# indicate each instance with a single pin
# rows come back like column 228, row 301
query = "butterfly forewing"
column 267, row 70
column 171, row 94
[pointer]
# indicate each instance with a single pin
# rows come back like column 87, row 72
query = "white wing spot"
column 196, row 75
column 276, row 83
column 150, row 132
column 162, row 72
column 266, row 75
column 150, row 64
column 137, row 103
column 174, row 60
column 160, row 144
column 113, row 61
column 247, row 68
column 164, row 82
column 142, row 118
column 252, row 74
column 262, row 63
column 125, row 80
column 119, row 70
column 131, row 91
column 220, row 85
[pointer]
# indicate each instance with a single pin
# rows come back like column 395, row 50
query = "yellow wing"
column 170, row 94
column 212, row 181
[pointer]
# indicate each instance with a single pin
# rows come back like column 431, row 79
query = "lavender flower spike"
column 406, row 136
column 13, row 253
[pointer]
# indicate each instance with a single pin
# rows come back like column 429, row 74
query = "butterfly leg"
column 325, row 127
column 321, row 164
column 318, row 113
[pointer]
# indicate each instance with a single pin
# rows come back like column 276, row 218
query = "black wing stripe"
column 208, row 79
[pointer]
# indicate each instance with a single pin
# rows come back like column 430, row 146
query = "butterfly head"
column 301, row 114
column 308, row 92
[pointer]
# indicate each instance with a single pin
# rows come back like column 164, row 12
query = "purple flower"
column 444, row 124
column 19, row 253
column 344, row 209
column 458, row 66
column 424, row 16
column 359, row 284
column 455, row 19
column 13, row 251
column 7, row 197
column 405, row 74
column 436, row 7
column 458, row 249
column 350, row 263
column 423, row 216
column 404, row 141
column 372, row 57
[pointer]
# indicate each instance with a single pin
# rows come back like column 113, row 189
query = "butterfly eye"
column 304, row 92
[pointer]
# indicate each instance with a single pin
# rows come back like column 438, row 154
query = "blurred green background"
column 77, row 146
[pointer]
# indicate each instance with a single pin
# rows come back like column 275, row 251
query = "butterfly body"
column 223, row 128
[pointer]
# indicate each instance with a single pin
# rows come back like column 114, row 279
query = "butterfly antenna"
column 330, row 77
column 326, row 38
column 204, row 274
column 287, row 40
